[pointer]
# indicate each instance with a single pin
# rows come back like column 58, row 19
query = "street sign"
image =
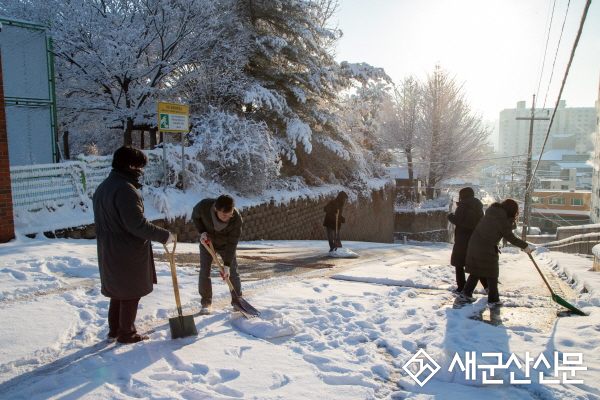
column 173, row 117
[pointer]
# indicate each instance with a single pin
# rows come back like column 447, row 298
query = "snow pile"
column 343, row 253
column 271, row 324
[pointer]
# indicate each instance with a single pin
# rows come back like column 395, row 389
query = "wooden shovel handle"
column 212, row 252
column 171, row 257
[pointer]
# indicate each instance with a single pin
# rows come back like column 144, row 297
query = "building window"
column 576, row 202
column 537, row 200
column 564, row 187
column 557, row 201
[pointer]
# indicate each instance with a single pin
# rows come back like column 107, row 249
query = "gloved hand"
column 170, row 240
column 204, row 238
column 529, row 249
column 225, row 273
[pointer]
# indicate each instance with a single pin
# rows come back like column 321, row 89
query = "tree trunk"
column 411, row 179
column 142, row 141
column 127, row 134
column 430, row 191
column 152, row 133
column 66, row 145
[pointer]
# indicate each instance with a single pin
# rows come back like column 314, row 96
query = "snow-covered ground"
column 349, row 332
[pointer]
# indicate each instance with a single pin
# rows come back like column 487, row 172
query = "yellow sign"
column 173, row 117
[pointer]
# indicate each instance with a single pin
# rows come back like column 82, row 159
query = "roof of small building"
column 555, row 155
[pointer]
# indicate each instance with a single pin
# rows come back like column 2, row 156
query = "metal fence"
column 52, row 185
column 580, row 244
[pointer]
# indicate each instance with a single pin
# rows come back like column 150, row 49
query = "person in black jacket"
column 469, row 211
column 498, row 222
column 125, row 259
column 334, row 208
column 221, row 223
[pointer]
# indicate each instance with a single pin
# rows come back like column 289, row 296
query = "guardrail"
column 581, row 244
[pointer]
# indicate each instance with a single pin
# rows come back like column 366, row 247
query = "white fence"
column 51, row 185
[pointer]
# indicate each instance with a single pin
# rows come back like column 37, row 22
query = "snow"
column 345, row 332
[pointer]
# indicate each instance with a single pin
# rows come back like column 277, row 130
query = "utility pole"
column 528, row 187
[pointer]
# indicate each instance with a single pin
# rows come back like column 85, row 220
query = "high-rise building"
column 595, row 199
column 572, row 129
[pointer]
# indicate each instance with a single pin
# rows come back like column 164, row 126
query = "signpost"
column 174, row 118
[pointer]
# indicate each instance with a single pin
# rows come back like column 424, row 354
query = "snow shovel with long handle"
column 556, row 297
column 336, row 239
column 240, row 304
column 182, row 325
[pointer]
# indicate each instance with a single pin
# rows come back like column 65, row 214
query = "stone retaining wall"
column 367, row 220
column 429, row 226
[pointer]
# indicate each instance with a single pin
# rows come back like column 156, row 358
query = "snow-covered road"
column 345, row 332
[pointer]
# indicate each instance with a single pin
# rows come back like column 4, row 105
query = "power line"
column 454, row 161
column 556, row 55
column 562, row 86
column 546, row 49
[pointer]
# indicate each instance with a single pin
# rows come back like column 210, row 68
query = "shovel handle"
column 541, row 274
column 209, row 247
column 171, row 257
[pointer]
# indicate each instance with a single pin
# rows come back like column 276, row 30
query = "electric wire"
column 455, row 161
column 562, row 87
column 556, row 54
column 545, row 50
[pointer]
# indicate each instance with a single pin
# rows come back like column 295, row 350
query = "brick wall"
column 7, row 225
column 367, row 220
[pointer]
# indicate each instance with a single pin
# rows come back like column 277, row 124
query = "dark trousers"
column 493, row 295
column 121, row 318
column 205, row 283
column 331, row 238
column 460, row 279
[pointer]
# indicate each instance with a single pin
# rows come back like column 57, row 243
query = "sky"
column 354, row 330
column 495, row 48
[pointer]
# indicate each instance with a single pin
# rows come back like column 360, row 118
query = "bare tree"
column 402, row 123
column 453, row 134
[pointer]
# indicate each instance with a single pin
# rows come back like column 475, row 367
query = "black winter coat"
column 482, row 254
column 330, row 212
column 468, row 213
column 228, row 237
column 124, row 250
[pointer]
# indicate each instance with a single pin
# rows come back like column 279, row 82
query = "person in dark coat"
column 469, row 211
column 498, row 222
column 334, row 208
column 220, row 222
column 125, row 259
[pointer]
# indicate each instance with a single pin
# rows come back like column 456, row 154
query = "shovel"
column 181, row 326
column 239, row 304
column 336, row 241
column 556, row 297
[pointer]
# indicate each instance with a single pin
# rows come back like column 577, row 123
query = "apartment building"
column 595, row 199
column 572, row 129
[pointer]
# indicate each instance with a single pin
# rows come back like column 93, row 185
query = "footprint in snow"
column 15, row 274
column 280, row 380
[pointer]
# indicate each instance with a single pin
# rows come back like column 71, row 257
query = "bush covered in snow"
column 235, row 151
